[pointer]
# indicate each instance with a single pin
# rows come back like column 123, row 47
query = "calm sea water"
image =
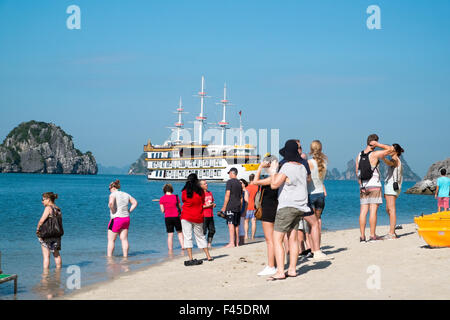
column 83, row 200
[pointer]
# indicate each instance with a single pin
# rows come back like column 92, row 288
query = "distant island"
column 350, row 174
column 40, row 147
column 427, row 186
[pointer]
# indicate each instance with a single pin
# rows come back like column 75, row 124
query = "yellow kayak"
column 436, row 237
column 432, row 221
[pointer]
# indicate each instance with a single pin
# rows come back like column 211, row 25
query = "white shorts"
column 304, row 226
column 200, row 238
column 389, row 190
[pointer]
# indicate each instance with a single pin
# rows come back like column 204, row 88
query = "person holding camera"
column 368, row 174
column 392, row 186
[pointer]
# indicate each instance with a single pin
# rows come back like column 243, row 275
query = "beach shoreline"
column 399, row 269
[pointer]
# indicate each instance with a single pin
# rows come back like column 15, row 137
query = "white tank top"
column 316, row 184
column 122, row 200
column 395, row 174
column 374, row 182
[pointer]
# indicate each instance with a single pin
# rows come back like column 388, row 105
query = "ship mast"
column 179, row 125
column 241, row 131
column 224, row 124
column 201, row 118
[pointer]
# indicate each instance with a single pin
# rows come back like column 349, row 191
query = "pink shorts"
column 118, row 224
column 443, row 202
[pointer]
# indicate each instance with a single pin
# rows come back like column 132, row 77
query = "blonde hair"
column 320, row 157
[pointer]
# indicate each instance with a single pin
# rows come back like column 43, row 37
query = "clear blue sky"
column 310, row 68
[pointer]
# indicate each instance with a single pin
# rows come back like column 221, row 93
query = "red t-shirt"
column 252, row 190
column 192, row 210
column 169, row 201
column 208, row 212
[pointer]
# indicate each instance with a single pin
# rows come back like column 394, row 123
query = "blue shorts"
column 317, row 201
column 250, row 214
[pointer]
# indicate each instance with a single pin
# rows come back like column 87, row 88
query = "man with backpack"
column 368, row 175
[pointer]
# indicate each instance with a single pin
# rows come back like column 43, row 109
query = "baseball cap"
column 234, row 170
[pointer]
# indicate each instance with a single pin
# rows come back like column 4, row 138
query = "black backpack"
column 365, row 168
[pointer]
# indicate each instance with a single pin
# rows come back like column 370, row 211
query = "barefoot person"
column 171, row 207
column 250, row 215
column 393, row 186
column 316, row 187
column 244, row 207
column 50, row 243
column 232, row 207
column 208, row 214
column 120, row 217
column 442, row 190
column 368, row 174
column 269, row 205
column 193, row 198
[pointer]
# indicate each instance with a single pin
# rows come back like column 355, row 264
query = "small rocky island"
column 40, row 147
column 139, row 167
column 350, row 174
column 427, row 186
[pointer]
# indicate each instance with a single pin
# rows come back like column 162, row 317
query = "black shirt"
column 235, row 187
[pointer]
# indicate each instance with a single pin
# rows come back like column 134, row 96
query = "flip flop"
column 287, row 275
column 197, row 262
column 212, row 259
column 272, row 278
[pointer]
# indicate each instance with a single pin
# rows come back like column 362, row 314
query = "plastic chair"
column 7, row 277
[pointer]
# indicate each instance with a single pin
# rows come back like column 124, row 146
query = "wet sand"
column 405, row 268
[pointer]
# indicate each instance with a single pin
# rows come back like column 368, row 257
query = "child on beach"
column 208, row 214
column 245, row 196
column 442, row 193
column 170, row 206
column 250, row 215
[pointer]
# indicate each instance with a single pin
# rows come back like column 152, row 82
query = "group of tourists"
column 289, row 199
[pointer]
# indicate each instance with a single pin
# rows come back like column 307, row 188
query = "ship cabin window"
column 182, row 163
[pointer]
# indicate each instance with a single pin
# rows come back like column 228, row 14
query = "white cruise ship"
column 175, row 160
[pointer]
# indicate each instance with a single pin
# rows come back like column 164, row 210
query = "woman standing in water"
column 393, row 187
column 50, row 244
column 120, row 217
column 170, row 206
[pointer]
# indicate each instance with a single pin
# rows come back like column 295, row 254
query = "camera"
column 269, row 158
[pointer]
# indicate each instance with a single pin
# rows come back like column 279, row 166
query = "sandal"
column 376, row 238
column 272, row 278
column 287, row 275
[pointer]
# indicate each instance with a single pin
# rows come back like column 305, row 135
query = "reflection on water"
column 50, row 285
column 114, row 266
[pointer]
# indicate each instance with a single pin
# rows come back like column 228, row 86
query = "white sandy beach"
column 408, row 269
